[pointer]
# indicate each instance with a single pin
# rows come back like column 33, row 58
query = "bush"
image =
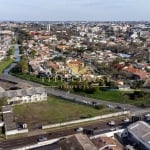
column 90, row 90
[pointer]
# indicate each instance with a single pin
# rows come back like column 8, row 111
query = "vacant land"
column 53, row 111
column 137, row 98
column 5, row 63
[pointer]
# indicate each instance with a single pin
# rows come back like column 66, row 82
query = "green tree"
column 32, row 53
column 11, row 51
column 23, row 66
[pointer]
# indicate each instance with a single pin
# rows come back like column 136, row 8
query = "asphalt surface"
column 77, row 98
column 26, row 141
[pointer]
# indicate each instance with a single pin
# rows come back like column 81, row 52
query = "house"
column 107, row 143
column 77, row 142
column 10, row 126
column 31, row 94
column 135, row 73
column 123, row 87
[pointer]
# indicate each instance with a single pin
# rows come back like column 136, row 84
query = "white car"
column 147, row 115
column 112, row 123
column 126, row 120
column 80, row 129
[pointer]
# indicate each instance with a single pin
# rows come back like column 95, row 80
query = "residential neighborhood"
column 60, row 80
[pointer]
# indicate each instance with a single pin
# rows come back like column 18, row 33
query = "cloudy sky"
column 70, row 10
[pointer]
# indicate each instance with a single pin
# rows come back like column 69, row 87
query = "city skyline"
column 75, row 10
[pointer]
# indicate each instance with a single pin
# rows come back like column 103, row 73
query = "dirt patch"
column 6, row 84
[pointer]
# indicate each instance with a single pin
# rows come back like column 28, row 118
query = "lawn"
column 119, row 97
column 53, row 110
column 5, row 63
column 33, row 78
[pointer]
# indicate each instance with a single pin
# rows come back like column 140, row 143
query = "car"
column 126, row 120
column 112, row 123
column 118, row 107
column 42, row 139
column 147, row 118
column 79, row 129
column 110, row 106
column 112, row 129
column 147, row 115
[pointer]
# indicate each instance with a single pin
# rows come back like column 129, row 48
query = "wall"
column 12, row 132
column 85, row 120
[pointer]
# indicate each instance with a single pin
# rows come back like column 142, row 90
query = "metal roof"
column 141, row 131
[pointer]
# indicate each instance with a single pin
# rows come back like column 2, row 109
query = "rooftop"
column 106, row 142
column 141, row 131
column 9, row 121
column 77, row 142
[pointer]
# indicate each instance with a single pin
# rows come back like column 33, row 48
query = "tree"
column 23, row 66
column 11, row 51
column 32, row 53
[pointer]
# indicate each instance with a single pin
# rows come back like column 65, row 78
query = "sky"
column 75, row 10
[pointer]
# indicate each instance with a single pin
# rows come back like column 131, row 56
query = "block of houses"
column 31, row 94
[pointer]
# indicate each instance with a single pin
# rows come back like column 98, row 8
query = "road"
column 65, row 95
column 16, row 143
column 77, row 98
column 99, row 127
column 85, row 100
column 10, row 144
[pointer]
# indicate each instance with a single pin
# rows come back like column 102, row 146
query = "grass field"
column 118, row 96
column 5, row 63
column 53, row 111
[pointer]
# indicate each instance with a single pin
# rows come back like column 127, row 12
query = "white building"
column 32, row 94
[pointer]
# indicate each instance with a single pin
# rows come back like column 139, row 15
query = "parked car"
column 79, row 129
column 118, row 107
column 147, row 115
column 112, row 129
column 126, row 120
column 42, row 139
column 112, row 123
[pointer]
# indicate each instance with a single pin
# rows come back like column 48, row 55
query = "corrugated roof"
column 141, row 131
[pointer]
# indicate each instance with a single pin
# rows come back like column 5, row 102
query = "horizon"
column 98, row 21
column 74, row 10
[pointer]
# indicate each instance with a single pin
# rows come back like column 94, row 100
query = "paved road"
column 77, row 98
column 11, row 144
column 85, row 100
column 65, row 95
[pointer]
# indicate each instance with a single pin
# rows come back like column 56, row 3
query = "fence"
column 86, row 120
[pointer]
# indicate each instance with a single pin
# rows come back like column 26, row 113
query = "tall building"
column 48, row 27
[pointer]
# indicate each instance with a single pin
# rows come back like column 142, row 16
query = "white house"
column 32, row 94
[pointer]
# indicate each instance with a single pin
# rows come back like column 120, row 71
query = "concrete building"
column 138, row 134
